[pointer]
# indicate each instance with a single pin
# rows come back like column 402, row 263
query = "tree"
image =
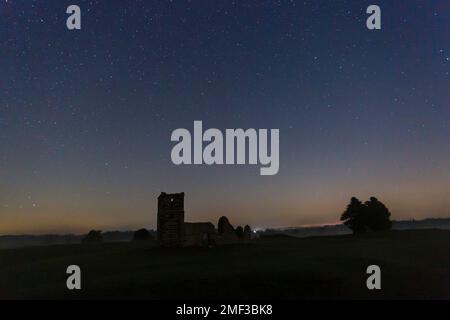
column 142, row 235
column 247, row 232
column 370, row 216
column 377, row 215
column 240, row 232
column 353, row 216
column 94, row 236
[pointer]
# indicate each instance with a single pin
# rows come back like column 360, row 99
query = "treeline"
column 97, row 236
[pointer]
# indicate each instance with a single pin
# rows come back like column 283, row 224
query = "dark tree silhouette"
column 247, row 232
column 240, row 232
column 370, row 216
column 354, row 216
column 94, row 236
column 377, row 215
column 142, row 235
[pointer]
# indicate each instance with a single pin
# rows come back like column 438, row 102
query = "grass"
column 414, row 264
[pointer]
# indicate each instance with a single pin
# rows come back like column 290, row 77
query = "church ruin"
column 174, row 232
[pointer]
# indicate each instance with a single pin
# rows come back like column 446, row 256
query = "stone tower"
column 171, row 219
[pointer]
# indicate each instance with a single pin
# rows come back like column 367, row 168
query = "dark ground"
column 415, row 264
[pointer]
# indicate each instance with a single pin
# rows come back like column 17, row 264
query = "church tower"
column 171, row 219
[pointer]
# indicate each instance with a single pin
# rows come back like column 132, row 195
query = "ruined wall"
column 174, row 232
column 199, row 234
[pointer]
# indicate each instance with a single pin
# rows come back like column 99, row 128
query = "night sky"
column 86, row 115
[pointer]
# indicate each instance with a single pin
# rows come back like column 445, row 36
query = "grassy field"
column 414, row 264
